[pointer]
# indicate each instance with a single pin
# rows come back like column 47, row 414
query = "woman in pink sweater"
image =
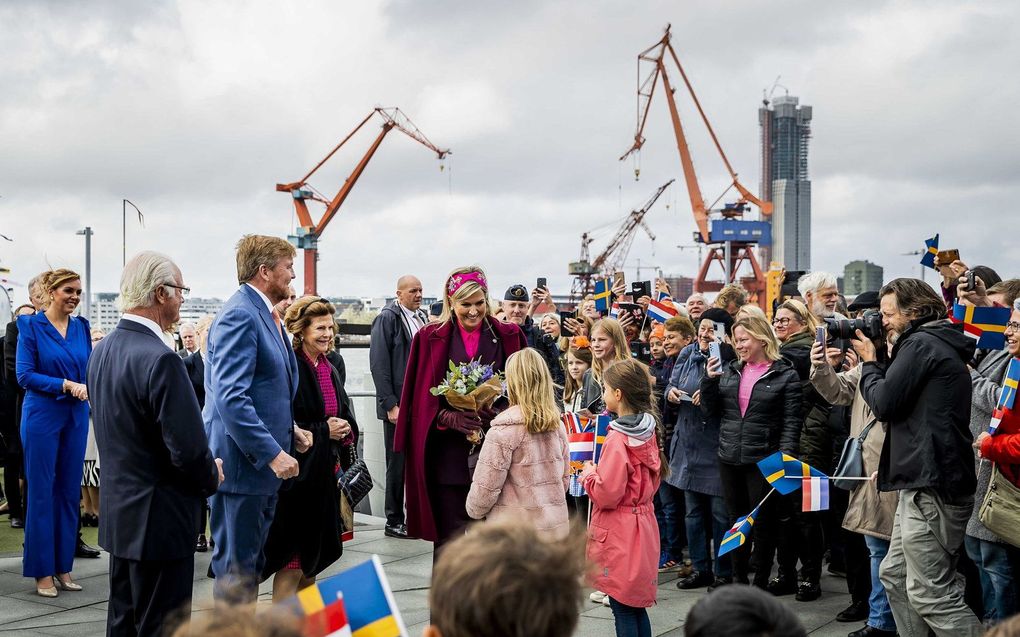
column 524, row 463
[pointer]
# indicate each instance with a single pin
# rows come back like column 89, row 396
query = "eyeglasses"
column 1013, row 326
column 185, row 292
column 781, row 321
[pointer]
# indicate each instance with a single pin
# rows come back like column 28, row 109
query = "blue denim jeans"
column 630, row 621
column 706, row 512
column 669, row 509
column 998, row 591
column 879, row 613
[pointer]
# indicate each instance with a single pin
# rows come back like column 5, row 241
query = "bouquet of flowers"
column 470, row 386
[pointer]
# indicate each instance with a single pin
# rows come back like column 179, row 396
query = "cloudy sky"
column 194, row 110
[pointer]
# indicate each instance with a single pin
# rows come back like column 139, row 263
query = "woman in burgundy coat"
column 433, row 436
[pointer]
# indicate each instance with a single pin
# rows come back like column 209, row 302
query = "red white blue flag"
column 662, row 309
column 815, row 492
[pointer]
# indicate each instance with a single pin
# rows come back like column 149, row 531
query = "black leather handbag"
column 851, row 461
column 355, row 481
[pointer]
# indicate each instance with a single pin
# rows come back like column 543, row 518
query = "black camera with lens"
column 870, row 323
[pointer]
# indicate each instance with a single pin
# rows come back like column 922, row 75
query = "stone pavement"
column 408, row 564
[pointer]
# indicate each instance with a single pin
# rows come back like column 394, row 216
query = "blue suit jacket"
column 45, row 359
column 250, row 382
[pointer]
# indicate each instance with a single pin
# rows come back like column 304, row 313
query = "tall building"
column 681, row 286
column 861, row 276
column 103, row 312
column 785, row 132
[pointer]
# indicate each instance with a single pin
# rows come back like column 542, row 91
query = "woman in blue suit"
column 53, row 355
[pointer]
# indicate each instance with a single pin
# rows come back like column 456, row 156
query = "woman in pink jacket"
column 623, row 537
column 524, row 463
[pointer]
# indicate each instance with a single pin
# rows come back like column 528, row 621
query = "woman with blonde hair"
column 436, row 438
column 525, row 459
column 757, row 401
column 53, row 353
column 608, row 345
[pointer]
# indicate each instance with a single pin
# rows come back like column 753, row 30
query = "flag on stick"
column 815, row 494
column 368, row 600
column 330, row 621
column 785, row 473
column 662, row 309
column 601, row 431
column 931, row 249
column 986, row 325
column 1004, row 408
column 601, row 295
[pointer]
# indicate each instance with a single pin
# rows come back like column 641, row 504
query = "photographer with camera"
column 924, row 396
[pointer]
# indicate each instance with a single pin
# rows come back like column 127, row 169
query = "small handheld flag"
column 582, row 448
column 371, row 609
column 738, row 533
column 784, row 472
column 1004, row 408
column 601, row 295
column 986, row 325
column 661, row 309
column 931, row 249
column 601, row 431
column 815, row 494
column 575, row 422
column 614, row 311
column 331, row 621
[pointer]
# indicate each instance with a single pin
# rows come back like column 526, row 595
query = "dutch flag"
column 816, row 494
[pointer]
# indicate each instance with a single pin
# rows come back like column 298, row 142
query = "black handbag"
column 851, row 461
column 355, row 481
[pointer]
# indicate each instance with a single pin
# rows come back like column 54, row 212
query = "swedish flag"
column 738, row 533
column 601, row 296
column 931, row 250
column 786, row 473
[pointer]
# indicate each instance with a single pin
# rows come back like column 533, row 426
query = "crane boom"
column 626, row 231
column 309, row 232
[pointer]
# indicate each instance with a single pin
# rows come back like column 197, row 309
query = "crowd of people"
column 247, row 423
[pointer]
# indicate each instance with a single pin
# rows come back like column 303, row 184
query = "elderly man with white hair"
column 157, row 467
column 189, row 339
column 820, row 293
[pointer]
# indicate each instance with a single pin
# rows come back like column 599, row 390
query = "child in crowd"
column 655, row 337
column 578, row 362
column 608, row 345
column 504, row 579
column 525, row 461
column 740, row 611
column 623, row 538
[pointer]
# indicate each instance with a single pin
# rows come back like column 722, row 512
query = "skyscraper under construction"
column 785, row 131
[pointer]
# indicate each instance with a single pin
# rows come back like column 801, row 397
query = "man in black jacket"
column 924, row 396
column 389, row 346
column 519, row 309
column 157, row 468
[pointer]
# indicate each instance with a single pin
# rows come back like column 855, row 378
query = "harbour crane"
column 308, row 232
column 615, row 255
column 730, row 240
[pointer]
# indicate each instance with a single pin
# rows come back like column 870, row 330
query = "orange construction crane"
column 733, row 251
column 308, row 233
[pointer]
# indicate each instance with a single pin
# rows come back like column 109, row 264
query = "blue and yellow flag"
column 738, row 533
column 931, row 249
column 786, row 473
column 602, row 294
column 1004, row 409
column 371, row 609
column 601, row 430
column 986, row 325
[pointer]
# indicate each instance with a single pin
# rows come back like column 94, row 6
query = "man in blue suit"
column 157, row 469
column 250, row 381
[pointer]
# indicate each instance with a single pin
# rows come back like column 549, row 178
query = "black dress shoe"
column 781, row 586
column 868, row 631
column 720, row 581
column 17, row 523
column 84, row 550
column 855, row 612
column 695, row 580
column 808, row 591
column 201, row 546
column 395, row 530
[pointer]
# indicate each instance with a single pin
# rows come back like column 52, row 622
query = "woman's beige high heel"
column 49, row 592
column 66, row 586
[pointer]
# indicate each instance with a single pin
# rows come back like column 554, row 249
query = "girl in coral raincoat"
column 623, row 538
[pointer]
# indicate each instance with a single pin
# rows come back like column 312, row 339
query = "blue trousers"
column 239, row 524
column 54, row 443
column 879, row 613
column 998, row 590
column 706, row 514
column 630, row 621
column 669, row 514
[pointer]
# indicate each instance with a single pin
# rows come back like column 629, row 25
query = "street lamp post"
column 87, row 232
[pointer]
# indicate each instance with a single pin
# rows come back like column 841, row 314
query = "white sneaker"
column 605, row 601
column 598, row 597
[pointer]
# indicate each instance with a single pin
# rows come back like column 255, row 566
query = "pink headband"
column 458, row 280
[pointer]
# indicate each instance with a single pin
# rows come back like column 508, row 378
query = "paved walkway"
column 408, row 565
